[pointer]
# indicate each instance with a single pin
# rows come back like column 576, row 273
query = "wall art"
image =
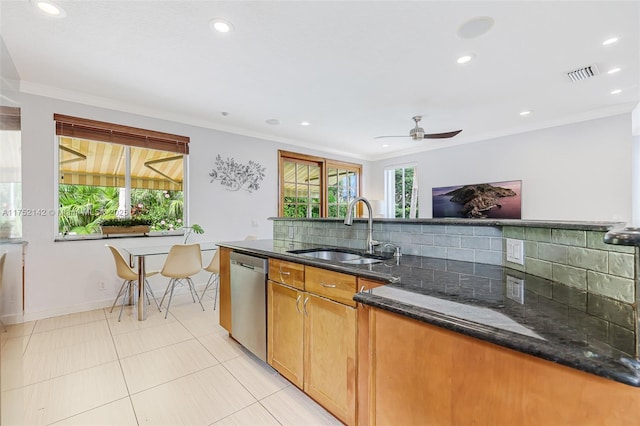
column 235, row 176
column 495, row 200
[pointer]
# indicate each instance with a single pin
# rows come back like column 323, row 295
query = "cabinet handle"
column 323, row 284
column 304, row 306
column 298, row 303
column 362, row 288
column 284, row 274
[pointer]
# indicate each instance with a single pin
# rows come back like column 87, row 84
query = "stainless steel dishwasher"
column 249, row 302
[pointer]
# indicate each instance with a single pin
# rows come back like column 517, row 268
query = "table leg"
column 141, row 284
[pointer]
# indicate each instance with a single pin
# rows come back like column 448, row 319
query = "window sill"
column 92, row 237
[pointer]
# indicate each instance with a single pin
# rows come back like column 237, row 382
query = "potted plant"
column 195, row 228
column 124, row 225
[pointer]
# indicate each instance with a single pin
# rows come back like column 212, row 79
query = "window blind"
column 101, row 131
column 9, row 118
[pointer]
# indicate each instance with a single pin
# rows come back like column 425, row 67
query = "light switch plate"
column 290, row 230
column 515, row 251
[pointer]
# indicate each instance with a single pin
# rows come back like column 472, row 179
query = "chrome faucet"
column 397, row 251
column 348, row 220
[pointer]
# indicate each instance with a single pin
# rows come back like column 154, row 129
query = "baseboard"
column 89, row 306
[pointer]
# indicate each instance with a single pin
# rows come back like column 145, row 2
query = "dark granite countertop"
column 522, row 312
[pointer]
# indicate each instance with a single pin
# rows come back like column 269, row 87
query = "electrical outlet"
column 515, row 289
column 515, row 251
column 102, row 286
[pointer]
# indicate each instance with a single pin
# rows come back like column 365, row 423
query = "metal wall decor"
column 235, row 176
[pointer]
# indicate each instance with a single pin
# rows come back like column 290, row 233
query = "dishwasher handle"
column 244, row 265
column 251, row 263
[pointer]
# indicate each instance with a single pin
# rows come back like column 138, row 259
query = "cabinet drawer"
column 288, row 273
column 332, row 285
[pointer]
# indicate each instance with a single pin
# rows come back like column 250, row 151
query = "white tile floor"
column 90, row 369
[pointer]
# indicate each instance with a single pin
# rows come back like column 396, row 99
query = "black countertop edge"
column 625, row 370
column 579, row 226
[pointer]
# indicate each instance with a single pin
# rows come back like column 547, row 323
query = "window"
column 343, row 183
column 316, row 187
column 107, row 170
column 10, row 173
column 401, row 192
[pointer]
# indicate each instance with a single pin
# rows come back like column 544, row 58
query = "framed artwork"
column 495, row 200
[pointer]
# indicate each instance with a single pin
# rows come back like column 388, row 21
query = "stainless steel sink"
column 338, row 255
column 332, row 255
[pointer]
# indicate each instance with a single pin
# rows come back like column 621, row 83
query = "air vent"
column 583, row 73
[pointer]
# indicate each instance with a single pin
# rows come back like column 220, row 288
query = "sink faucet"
column 397, row 251
column 348, row 220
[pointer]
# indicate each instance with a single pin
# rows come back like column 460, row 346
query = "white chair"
column 130, row 282
column 4, row 255
column 182, row 262
column 214, row 278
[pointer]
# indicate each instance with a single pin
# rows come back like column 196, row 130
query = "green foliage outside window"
column 82, row 208
column 299, row 207
column 404, row 193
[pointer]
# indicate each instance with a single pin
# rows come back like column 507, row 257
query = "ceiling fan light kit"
column 417, row 133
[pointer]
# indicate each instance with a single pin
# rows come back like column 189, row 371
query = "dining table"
column 139, row 254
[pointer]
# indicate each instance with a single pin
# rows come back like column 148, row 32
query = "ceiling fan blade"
column 403, row 136
column 442, row 135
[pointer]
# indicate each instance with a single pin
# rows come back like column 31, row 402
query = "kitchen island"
column 498, row 323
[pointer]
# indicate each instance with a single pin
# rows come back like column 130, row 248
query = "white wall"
column 575, row 172
column 63, row 277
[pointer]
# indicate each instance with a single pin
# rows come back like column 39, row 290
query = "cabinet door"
column 225, row 288
column 285, row 331
column 330, row 356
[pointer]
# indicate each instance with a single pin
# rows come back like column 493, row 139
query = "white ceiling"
column 354, row 70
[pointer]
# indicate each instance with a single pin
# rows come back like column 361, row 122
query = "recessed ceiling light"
column 220, row 25
column 615, row 92
column 273, row 121
column 475, row 27
column 465, row 58
column 613, row 70
column 49, row 7
column 224, row 113
column 609, row 41
column 385, row 145
column 305, row 123
column 524, row 113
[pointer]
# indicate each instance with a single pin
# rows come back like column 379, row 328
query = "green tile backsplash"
column 576, row 258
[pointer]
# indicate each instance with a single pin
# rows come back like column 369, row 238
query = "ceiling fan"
column 417, row 133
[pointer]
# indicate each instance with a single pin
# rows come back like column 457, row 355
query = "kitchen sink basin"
column 363, row 261
column 339, row 255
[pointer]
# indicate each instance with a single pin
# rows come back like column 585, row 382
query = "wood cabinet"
column 312, row 333
column 330, row 356
column 285, row 328
column 422, row 374
column 225, row 288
